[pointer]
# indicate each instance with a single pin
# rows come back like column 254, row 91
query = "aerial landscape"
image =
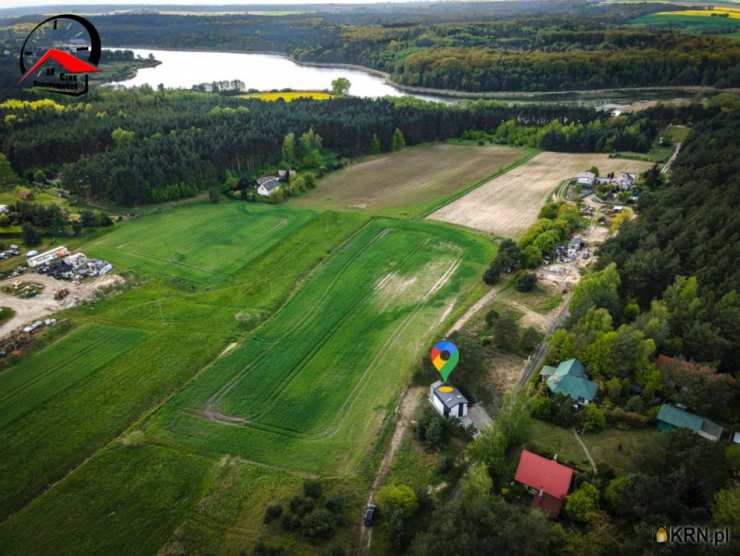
column 369, row 278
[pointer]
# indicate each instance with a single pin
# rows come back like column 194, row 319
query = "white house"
column 448, row 400
column 48, row 256
column 586, row 179
column 266, row 185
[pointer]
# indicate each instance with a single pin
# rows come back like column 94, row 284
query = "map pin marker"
column 444, row 358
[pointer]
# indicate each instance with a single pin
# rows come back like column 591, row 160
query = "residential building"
column 570, row 378
column 547, row 479
column 448, row 400
column 671, row 417
column 267, row 185
column 586, row 179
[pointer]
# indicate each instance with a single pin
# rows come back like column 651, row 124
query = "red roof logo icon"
column 69, row 62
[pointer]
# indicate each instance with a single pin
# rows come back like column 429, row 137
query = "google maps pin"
column 445, row 357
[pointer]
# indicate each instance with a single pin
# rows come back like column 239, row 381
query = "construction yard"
column 411, row 180
column 508, row 204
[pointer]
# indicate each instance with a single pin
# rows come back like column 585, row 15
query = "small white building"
column 586, row 179
column 48, row 256
column 4, row 209
column 267, row 185
column 448, row 400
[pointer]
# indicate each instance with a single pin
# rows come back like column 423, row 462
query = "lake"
column 265, row 72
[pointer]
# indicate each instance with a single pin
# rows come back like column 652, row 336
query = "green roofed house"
column 671, row 417
column 570, row 378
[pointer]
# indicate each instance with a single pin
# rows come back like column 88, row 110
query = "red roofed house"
column 549, row 479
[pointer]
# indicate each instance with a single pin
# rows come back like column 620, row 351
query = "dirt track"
column 508, row 204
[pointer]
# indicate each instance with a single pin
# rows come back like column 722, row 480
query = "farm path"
column 588, row 454
column 474, row 308
column 531, row 317
column 406, row 409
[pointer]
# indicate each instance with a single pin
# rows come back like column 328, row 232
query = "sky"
column 29, row 3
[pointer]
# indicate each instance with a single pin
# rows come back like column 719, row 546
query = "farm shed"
column 671, row 417
column 570, row 378
column 549, row 480
column 448, row 400
column 48, row 256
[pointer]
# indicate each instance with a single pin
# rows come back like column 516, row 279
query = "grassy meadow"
column 300, row 326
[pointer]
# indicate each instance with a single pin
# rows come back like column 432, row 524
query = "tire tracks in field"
column 342, row 411
column 229, row 385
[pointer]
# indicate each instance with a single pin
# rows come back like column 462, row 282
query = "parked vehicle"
column 369, row 515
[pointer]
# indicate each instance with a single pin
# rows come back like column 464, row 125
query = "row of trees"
column 142, row 146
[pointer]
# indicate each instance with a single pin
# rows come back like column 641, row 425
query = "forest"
column 129, row 144
column 507, row 46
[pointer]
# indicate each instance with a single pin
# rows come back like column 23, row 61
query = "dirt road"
column 406, row 409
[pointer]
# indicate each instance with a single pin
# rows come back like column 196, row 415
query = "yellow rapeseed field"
column 289, row 95
column 731, row 13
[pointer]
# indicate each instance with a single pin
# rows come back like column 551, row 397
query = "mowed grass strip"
column 43, row 375
column 125, row 500
column 406, row 182
column 313, row 382
column 204, row 243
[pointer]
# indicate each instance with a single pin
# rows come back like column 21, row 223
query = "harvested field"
column 508, row 204
column 411, row 179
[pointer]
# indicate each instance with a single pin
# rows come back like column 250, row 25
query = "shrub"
column 529, row 340
column 273, row 512
column 525, row 281
column 432, row 429
column 312, row 488
column 592, row 418
column 541, row 407
column 635, row 404
column 264, row 549
column 582, row 502
column 335, row 504
column 318, row 524
column 401, row 497
column 300, row 506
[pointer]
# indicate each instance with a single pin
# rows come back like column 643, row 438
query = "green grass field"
column 327, row 314
column 303, row 391
column 202, row 243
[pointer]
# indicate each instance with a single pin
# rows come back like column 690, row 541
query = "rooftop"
column 448, row 395
column 570, row 378
column 543, row 474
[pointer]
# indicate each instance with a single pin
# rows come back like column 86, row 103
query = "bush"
column 312, row 488
column 335, row 504
column 300, row 506
column 635, row 404
column 492, row 275
column 264, row 549
column 273, row 512
column 592, row 418
column 290, row 522
column 432, row 429
column 541, row 408
column 582, row 502
column 398, row 497
column 529, row 340
column 525, row 281
column 318, row 525
column 30, row 236
column 619, row 416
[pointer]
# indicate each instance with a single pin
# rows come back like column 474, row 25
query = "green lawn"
column 616, row 448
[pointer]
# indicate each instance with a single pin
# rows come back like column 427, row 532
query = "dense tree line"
column 140, row 146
